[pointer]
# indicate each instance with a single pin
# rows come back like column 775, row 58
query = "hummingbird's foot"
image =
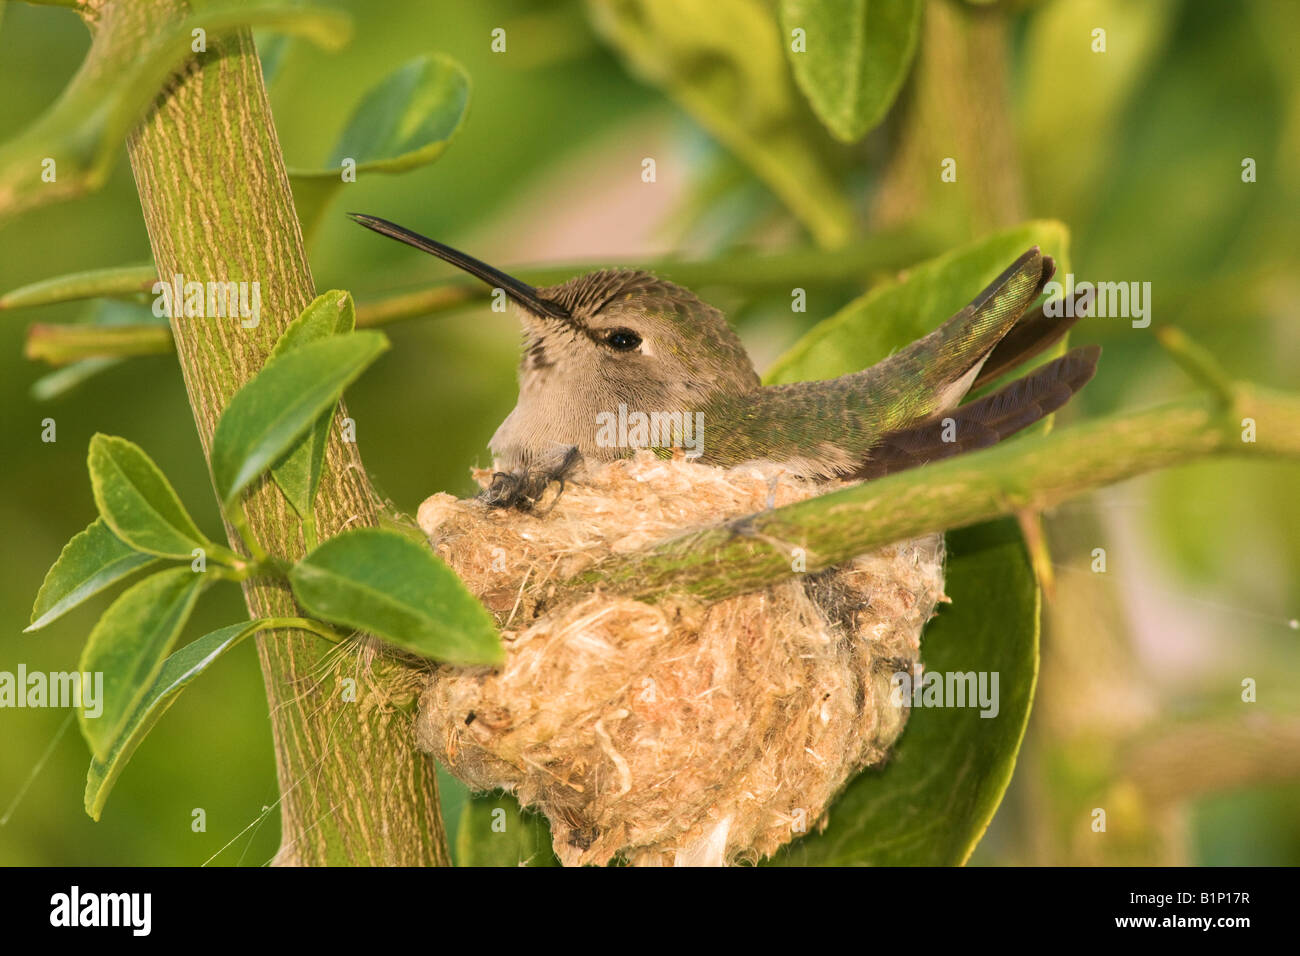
column 518, row 490
column 523, row 490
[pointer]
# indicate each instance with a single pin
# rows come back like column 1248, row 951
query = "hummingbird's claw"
column 522, row 490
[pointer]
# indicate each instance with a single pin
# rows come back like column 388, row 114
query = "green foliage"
column 129, row 643
column 408, row 119
column 138, row 503
column 115, row 281
column 267, row 416
column 172, row 677
column 855, row 58
column 1108, row 142
column 1066, row 81
column 404, row 122
column 377, row 580
column 298, row 472
column 89, row 563
column 385, row 583
column 66, row 379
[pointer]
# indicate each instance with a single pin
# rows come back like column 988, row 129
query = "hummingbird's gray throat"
column 627, row 343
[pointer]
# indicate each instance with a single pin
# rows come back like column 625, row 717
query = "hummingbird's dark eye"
column 623, row 340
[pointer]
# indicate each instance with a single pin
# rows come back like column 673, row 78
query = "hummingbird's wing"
column 983, row 422
column 829, row 428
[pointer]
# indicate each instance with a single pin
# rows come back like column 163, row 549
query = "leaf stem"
column 239, row 521
column 309, row 531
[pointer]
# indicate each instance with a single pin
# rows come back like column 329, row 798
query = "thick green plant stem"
column 1032, row 473
column 217, row 204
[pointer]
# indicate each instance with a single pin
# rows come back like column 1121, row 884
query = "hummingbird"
column 618, row 346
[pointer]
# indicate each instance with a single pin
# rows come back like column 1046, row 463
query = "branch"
column 216, row 201
column 774, row 273
column 1033, row 473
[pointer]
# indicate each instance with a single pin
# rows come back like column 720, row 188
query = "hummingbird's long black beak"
column 523, row 293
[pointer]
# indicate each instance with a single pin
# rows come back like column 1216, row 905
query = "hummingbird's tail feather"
column 983, row 422
column 1027, row 338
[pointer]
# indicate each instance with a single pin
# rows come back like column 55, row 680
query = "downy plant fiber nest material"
column 675, row 732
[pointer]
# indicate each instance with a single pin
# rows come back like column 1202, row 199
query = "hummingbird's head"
column 635, row 333
column 614, row 334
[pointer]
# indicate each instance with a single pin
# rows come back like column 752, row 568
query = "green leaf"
column 138, row 503
column 176, row 672
column 722, row 62
column 330, row 313
column 386, row 584
column 931, row 803
column 129, row 643
column 404, row 122
column 894, row 314
column 298, row 472
column 118, row 80
column 493, row 831
column 856, row 56
column 407, row 120
column 267, row 415
column 93, row 560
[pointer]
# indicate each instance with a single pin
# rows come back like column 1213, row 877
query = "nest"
column 675, row 732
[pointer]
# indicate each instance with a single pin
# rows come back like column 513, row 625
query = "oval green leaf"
column 298, row 472
column 388, row 585
column 128, row 646
column 855, row 56
column 176, row 672
column 408, row 119
column 931, row 803
column 93, row 560
column 281, row 402
column 330, row 313
column 138, row 503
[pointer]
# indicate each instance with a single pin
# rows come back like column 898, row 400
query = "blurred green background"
column 1138, row 150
